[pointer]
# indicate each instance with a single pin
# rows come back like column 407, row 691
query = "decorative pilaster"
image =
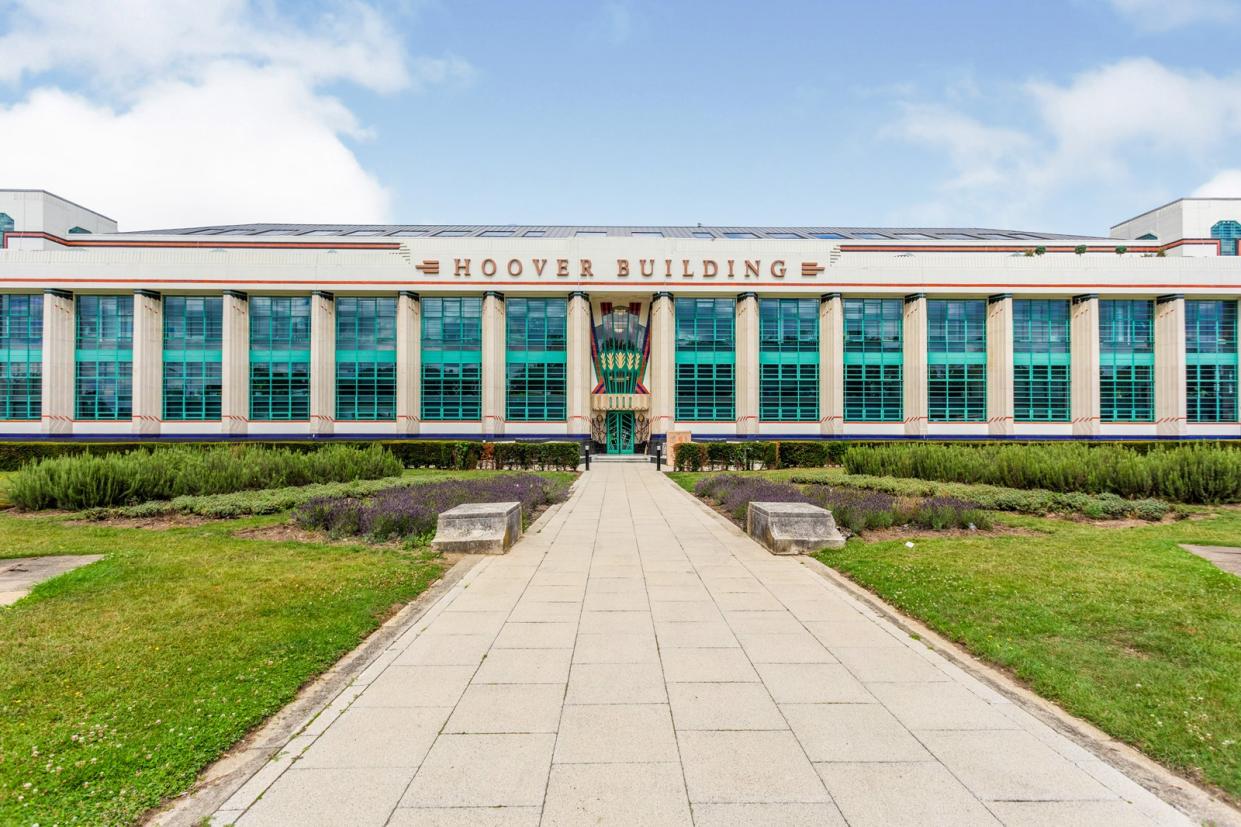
column 408, row 362
column 1084, row 347
column 915, row 333
column 579, row 367
column 494, row 343
column 58, row 368
column 831, row 364
column 322, row 362
column 235, row 367
column 1000, row 405
column 148, row 369
column 1171, row 397
column 747, row 370
column 663, row 363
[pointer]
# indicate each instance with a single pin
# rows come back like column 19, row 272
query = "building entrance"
column 620, row 427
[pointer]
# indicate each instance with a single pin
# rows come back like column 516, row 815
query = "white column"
column 663, row 363
column 1171, row 397
column 1085, row 405
column 915, row 372
column 494, row 373
column 148, row 365
column 235, row 367
column 408, row 362
column 322, row 362
column 1000, row 404
column 579, row 371
column 58, row 367
column 831, row 364
column 747, row 370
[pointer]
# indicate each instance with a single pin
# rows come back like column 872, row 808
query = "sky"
column 1062, row 115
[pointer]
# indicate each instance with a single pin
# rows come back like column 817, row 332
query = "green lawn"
column 1117, row 625
column 121, row 680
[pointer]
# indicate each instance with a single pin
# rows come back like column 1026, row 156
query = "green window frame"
column 21, row 356
column 193, row 361
column 1042, row 354
column 874, row 360
column 452, row 358
column 104, row 357
column 956, row 360
column 1211, row 360
column 366, row 358
column 1127, row 360
column 279, row 358
column 788, row 360
column 706, row 360
column 536, row 334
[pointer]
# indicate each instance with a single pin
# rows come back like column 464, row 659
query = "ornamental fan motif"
column 620, row 349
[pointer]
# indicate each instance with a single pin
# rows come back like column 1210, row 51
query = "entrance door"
column 620, row 432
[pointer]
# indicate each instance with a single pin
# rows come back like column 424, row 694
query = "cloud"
column 1226, row 184
column 173, row 112
column 1162, row 16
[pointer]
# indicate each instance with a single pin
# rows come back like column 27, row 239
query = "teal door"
column 620, row 432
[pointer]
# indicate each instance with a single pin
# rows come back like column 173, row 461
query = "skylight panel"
column 829, row 235
column 590, row 234
column 496, row 233
column 783, row 235
column 451, row 233
column 740, row 235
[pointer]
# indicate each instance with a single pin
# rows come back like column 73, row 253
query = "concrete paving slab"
column 616, row 683
column 625, row 795
column 483, row 771
column 852, row 732
column 723, row 706
column 902, row 795
column 742, row 767
column 759, row 815
column 616, row 734
column 18, row 575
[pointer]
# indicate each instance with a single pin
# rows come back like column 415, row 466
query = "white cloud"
column 1226, row 184
column 1162, row 16
column 200, row 111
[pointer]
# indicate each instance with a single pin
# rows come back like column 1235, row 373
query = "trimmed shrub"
column 562, row 456
column 691, row 456
column 804, row 454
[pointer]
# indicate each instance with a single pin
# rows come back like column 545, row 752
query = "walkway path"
column 640, row 661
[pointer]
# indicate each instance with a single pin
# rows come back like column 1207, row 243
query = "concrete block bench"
column 478, row 528
column 792, row 528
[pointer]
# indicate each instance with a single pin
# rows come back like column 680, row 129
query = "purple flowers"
column 411, row 511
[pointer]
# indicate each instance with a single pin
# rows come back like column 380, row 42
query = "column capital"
column 662, row 294
column 579, row 294
column 147, row 294
column 998, row 297
column 60, row 294
column 409, row 294
column 323, row 294
column 1170, row 297
column 749, row 294
column 827, row 297
column 493, row 294
column 913, row 297
column 236, row 294
column 1084, row 297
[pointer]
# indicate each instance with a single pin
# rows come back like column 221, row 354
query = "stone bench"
column 478, row 528
column 792, row 528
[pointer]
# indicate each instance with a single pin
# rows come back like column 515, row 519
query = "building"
column 617, row 334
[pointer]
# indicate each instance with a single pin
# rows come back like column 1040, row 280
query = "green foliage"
column 90, row 481
column 691, row 456
column 1193, row 473
column 805, row 454
column 453, row 455
column 744, row 456
column 563, row 456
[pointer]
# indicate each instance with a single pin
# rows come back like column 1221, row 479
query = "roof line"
column 66, row 200
column 1169, row 204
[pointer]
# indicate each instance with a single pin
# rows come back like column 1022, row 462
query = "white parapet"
column 478, row 528
column 792, row 528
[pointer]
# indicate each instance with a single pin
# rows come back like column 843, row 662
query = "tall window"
column 21, row 356
column 193, row 374
column 104, row 357
column 1228, row 232
column 452, row 358
column 366, row 358
column 788, row 360
column 1041, row 358
column 280, row 357
column 706, row 358
column 874, row 356
column 6, row 223
column 1211, row 360
column 535, row 360
column 1127, row 360
column 956, row 360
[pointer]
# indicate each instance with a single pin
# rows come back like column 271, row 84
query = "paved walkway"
column 640, row 661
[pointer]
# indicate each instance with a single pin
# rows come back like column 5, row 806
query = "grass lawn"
column 1116, row 624
column 120, row 681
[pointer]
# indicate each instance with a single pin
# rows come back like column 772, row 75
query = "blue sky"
column 1065, row 116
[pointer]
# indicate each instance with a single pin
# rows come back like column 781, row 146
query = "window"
column 6, row 223
column 366, row 358
column 706, row 357
column 1228, row 232
column 1211, row 360
column 193, row 366
column 874, row 359
column 452, row 358
column 104, row 357
column 21, row 356
column 79, row 231
column 740, row 235
column 788, row 360
column 1041, row 354
column 535, row 360
column 956, row 360
column 280, row 358
column 1127, row 360
column 829, row 235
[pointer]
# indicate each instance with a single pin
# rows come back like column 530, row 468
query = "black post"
column 659, row 457
column 587, row 457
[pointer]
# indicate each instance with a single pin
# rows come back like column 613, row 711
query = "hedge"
column 563, row 456
column 743, row 456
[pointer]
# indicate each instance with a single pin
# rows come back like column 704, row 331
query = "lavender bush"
column 411, row 512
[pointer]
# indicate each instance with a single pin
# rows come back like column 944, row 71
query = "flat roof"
column 588, row 231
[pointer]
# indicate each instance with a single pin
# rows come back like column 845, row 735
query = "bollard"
column 659, row 458
column 587, row 457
